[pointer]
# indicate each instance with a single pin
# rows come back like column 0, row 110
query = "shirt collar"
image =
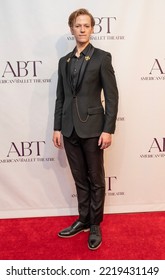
column 85, row 51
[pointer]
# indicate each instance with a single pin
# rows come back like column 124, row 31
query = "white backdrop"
column 34, row 177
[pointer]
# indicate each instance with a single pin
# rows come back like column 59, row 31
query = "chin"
column 83, row 41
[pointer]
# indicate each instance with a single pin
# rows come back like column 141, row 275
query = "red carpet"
column 125, row 237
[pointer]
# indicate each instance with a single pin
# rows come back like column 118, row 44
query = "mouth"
column 82, row 36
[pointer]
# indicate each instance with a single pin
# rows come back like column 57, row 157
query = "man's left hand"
column 105, row 140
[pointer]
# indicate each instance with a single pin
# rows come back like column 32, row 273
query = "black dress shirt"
column 76, row 63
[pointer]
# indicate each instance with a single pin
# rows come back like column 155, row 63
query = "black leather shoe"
column 95, row 238
column 74, row 229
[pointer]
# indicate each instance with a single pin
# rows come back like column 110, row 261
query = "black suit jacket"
column 83, row 108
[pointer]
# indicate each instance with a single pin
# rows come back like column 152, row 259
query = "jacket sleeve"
column 59, row 101
column 110, row 91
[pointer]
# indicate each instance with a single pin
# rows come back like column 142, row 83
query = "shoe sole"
column 69, row 236
column 95, row 247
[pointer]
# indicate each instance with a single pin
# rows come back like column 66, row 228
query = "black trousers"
column 86, row 163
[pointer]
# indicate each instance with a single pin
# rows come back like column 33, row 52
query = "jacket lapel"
column 68, row 68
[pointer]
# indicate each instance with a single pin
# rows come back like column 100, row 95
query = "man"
column 86, row 126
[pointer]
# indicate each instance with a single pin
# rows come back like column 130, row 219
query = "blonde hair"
column 77, row 13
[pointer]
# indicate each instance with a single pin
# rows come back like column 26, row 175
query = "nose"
column 82, row 29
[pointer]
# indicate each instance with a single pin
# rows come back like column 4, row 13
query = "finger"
column 100, row 141
column 103, row 146
column 59, row 144
column 56, row 142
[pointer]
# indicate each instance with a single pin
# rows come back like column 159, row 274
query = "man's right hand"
column 57, row 139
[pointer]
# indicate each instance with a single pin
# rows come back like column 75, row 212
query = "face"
column 82, row 29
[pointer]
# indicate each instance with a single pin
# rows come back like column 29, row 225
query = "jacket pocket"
column 95, row 110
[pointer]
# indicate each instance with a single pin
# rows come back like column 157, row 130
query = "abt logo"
column 26, row 149
column 157, row 67
column 157, row 146
column 156, row 149
column 109, row 182
column 21, row 68
column 157, row 71
column 110, row 186
column 104, row 24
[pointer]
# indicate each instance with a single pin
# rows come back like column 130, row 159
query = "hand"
column 57, row 139
column 105, row 140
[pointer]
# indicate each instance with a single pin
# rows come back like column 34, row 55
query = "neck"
column 80, row 47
